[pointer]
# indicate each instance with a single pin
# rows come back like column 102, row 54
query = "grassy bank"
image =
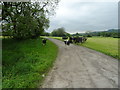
column 106, row 45
column 26, row 62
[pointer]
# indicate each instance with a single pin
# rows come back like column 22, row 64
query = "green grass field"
column 25, row 62
column 106, row 45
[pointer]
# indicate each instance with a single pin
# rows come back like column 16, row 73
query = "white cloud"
column 83, row 15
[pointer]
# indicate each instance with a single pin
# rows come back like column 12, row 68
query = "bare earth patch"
column 80, row 67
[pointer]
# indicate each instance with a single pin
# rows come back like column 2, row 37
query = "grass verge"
column 25, row 62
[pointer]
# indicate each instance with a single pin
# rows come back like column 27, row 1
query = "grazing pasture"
column 107, row 45
column 25, row 63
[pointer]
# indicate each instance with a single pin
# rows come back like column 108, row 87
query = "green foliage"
column 59, row 32
column 24, row 62
column 23, row 20
column 45, row 34
column 87, row 35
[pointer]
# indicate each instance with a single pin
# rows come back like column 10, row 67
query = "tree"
column 59, row 32
column 88, row 34
column 45, row 34
column 25, row 19
column 77, row 34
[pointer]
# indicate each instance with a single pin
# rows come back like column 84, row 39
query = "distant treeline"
column 61, row 32
column 110, row 33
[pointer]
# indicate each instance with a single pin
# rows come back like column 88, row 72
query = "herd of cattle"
column 68, row 40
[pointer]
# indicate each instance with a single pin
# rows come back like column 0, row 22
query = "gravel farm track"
column 80, row 67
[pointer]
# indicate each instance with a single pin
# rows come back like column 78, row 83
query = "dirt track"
column 80, row 67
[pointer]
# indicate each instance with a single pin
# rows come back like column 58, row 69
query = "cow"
column 76, row 39
column 44, row 41
column 70, row 39
column 79, row 39
column 67, row 42
column 84, row 39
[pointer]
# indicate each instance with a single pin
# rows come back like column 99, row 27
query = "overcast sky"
column 85, row 15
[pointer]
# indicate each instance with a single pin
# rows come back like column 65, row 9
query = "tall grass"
column 26, row 62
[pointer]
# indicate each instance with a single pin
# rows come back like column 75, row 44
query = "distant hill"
column 112, row 30
column 108, row 33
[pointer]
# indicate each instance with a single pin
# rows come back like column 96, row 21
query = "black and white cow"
column 44, row 41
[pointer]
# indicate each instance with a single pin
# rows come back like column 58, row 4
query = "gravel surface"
column 80, row 67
